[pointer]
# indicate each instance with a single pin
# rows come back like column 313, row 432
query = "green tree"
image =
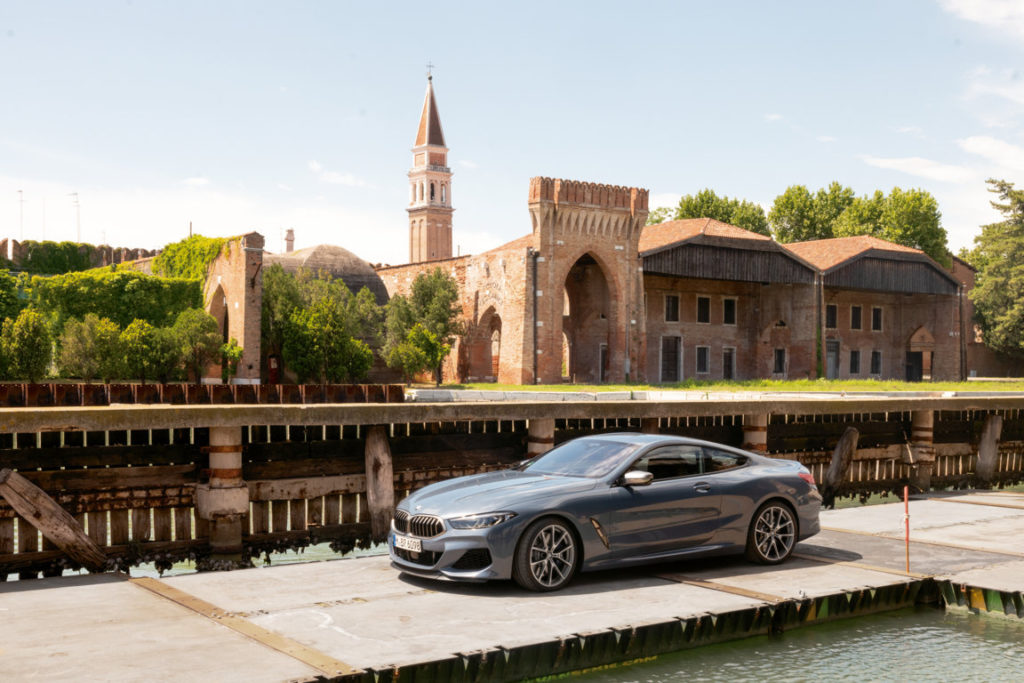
column 198, row 339
column 27, row 345
column 793, row 217
column 998, row 294
column 166, row 354
column 137, row 346
column 707, row 204
column 319, row 344
column 230, row 355
column 281, row 296
column 89, row 348
column 907, row 217
column 432, row 302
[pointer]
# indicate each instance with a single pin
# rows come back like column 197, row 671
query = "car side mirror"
column 637, row 478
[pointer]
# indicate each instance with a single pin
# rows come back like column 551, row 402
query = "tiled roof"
column 429, row 132
column 827, row 254
column 673, row 232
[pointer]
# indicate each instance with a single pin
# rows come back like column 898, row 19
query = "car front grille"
column 427, row 558
column 421, row 526
column 475, row 558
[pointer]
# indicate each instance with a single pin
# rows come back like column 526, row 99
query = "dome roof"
column 340, row 264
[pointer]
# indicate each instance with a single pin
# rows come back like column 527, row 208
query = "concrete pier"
column 360, row 620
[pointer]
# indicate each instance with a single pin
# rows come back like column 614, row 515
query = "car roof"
column 641, row 438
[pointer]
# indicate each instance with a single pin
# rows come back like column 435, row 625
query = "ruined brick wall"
column 767, row 317
column 902, row 316
column 493, row 290
column 590, row 233
column 233, row 294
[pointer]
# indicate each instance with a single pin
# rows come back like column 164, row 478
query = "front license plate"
column 413, row 545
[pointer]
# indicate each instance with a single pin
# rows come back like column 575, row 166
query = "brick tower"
column 430, row 188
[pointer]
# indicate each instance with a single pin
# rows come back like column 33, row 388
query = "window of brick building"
column 854, row 317
column 671, row 350
column 876, row 362
column 831, row 314
column 855, row 362
column 671, row 308
column 729, row 311
column 780, row 362
column 728, row 362
column 703, row 309
column 703, row 360
column 876, row 319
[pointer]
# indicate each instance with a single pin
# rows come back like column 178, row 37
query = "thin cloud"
column 1002, row 15
column 1002, row 153
column 196, row 182
column 915, row 131
column 773, row 117
column 466, row 163
column 923, row 168
column 336, row 178
column 826, row 138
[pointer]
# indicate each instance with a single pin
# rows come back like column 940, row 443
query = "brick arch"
column 478, row 347
column 587, row 327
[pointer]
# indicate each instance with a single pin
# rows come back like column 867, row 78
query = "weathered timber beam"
column 311, row 487
column 175, row 416
column 42, row 512
column 842, row 456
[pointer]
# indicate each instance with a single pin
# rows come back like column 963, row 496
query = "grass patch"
column 770, row 385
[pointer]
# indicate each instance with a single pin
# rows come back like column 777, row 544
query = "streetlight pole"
column 78, row 217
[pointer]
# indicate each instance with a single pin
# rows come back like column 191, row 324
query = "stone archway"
column 484, row 348
column 587, row 321
column 218, row 308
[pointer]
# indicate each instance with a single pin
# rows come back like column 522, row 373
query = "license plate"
column 413, row 545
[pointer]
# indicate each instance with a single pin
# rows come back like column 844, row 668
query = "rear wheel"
column 772, row 534
column 546, row 556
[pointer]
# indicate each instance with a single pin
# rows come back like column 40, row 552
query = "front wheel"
column 546, row 556
column 772, row 534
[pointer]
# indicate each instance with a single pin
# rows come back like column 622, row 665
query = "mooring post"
column 224, row 501
column 755, row 433
column 380, row 482
column 541, row 438
column 922, row 449
column 988, row 450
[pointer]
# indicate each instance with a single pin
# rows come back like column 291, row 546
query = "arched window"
column 423, row 191
column 431, row 191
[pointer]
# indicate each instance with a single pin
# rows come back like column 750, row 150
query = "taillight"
column 809, row 478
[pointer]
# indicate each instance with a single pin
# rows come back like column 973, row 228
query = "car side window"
column 670, row 462
column 718, row 461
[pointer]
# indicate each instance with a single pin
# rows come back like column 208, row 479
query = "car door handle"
column 702, row 487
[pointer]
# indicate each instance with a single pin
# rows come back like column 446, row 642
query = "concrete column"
column 225, row 500
column 922, row 449
column 542, row 437
column 755, row 433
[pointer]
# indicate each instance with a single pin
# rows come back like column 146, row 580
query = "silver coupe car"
column 605, row 501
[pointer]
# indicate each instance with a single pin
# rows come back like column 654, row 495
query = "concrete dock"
column 358, row 619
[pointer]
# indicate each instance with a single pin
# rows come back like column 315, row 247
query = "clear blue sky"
column 261, row 116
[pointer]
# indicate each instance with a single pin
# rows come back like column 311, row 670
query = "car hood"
column 490, row 492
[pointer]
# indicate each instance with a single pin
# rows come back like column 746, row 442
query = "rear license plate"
column 413, row 545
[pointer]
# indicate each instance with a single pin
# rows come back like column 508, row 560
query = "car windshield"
column 582, row 458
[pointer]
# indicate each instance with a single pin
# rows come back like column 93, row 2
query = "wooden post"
column 225, row 500
column 755, row 433
column 43, row 513
column 988, row 450
column 380, row 482
column 922, row 449
column 541, row 437
column 842, row 456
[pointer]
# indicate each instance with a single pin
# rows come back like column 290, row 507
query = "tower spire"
column 430, row 209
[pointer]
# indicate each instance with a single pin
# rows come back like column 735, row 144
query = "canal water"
column 920, row 644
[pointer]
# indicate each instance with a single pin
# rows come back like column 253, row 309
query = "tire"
column 546, row 556
column 773, row 533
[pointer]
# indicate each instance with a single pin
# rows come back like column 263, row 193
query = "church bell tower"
column 430, row 188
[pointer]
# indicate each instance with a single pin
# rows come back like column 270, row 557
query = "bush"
column 190, row 258
column 90, row 348
column 51, row 258
column 27, row 345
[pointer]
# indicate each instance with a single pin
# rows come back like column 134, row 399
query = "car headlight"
column 482, row 521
